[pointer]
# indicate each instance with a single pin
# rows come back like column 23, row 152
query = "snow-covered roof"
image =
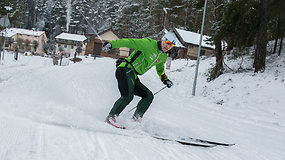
column 12, row 31
column 179, row 44
column 194, row 38
column 73, row 37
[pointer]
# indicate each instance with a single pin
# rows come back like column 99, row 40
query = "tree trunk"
column 278, row 30
column 219, row 54
column 218, row 69
column 275, row 45
column 151, row 6
column 281, row 42
column 261, row 38
column 218, row 44
column 276, row 36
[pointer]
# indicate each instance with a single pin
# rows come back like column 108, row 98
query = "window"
column 203, row 52
column 191, row 46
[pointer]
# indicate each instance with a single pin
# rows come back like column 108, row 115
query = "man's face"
column 166, row 45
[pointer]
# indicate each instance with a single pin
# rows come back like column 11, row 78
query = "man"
column 147, row 53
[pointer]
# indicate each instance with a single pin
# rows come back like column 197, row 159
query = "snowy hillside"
column 57, row 112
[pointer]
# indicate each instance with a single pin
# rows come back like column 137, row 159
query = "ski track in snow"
column 57, row 112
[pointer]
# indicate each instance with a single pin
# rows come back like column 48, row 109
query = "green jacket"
column 147, row 54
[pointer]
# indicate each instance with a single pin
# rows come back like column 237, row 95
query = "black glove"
column 107, row 47
column 168, row 83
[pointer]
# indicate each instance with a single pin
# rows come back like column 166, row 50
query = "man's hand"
column 107, row 47
column 168, row 83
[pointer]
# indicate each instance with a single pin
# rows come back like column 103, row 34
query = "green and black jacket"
column 148, row 53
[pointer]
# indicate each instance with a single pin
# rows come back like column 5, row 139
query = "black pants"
column 129, row 86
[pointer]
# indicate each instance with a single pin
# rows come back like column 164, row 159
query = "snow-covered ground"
column 57, row 112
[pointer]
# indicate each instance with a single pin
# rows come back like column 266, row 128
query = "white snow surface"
column 57, row 112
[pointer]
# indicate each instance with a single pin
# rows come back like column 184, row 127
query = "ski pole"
column 160, row 90
column 91, row 26
column 153, row 94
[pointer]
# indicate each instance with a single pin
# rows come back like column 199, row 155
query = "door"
column 97, row 49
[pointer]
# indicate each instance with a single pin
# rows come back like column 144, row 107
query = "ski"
column 210, row 142
column 183, row 142
column 115, row 125
column 194, row 141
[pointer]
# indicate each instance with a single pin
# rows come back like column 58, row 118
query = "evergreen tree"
column 105, row 13
column 134, row 19
column 157, row 19
column 15, row 14
column 29, row 14
column 276, row 22
column 261, row 37
column 52, row 17
column 45, row 17
column 175, row 14
column 80, row 11
column 218, row 6
column 239, row 24
column 58, row 17
column 189, row 15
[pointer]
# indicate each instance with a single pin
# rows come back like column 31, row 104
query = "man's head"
column 168, row 41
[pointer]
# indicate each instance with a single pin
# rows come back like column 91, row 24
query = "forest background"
column 241, row 23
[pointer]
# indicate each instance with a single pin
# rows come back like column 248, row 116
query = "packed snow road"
column 57, row 112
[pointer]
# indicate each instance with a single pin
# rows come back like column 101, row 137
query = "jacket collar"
column 159, row 46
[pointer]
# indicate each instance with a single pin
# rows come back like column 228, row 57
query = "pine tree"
column 40, row 12
column 157, row 18
column 15, row 14
column 45, row 17
column 276, row 22
column 239, row 24
column 134, row 19
column 58, row 17
column 80, row 11
column 28, row 14
column 261, row 38
column 175, row 12
column 218, row 14
column 188, row 15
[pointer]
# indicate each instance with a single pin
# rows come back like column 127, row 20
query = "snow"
column 194, row 38
column 73, row 37
column 57, row 112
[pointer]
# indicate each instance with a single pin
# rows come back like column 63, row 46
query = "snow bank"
column 57, row 112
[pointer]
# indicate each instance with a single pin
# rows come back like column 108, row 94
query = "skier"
column 147, row 53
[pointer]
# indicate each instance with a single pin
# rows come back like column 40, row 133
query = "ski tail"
column 183, row 142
